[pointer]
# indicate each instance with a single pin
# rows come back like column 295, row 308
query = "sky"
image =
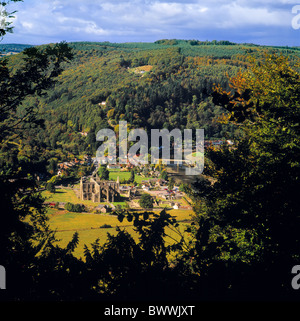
column 264, row 22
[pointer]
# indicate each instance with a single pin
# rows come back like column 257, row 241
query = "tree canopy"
column 146, row 201
column 244, row 239
column 250, row 216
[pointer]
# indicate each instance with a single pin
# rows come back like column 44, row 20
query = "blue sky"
column 266, row 22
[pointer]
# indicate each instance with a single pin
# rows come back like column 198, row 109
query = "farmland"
column 115, row 173
column 89, row 226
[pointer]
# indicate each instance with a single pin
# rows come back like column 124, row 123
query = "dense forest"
column 166, row 84
column 244, row 239
column 10, row 49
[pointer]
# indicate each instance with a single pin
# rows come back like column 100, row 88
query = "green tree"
column 52, row 167
column 6, row 16
column 41, row 66
column 103, row 173
column 171, row 183
column 132, row 176
column 164, row 175
column 248, row 214
column 146, row 201
column 130, row 268
column 50, row 187
column 22, row 245
column 77, row 208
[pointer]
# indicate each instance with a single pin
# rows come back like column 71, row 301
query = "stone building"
column 97, row 190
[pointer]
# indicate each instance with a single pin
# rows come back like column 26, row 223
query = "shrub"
column 77, row 208
column 146, row 201
column 105, row 226
column 50, row 187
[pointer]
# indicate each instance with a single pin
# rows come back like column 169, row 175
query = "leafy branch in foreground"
column 249, row 216
column 126, row 268
column 5, row 16
column 24, row 245
column 40, row 68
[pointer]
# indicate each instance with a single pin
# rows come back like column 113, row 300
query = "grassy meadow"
column 88, row 226
column 115, row 173
column 68, row 195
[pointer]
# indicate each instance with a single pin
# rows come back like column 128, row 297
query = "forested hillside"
column 243, row 242
column 166, row 84
column 10, row 49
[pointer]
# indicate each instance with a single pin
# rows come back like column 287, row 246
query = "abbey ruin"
column 97, row 190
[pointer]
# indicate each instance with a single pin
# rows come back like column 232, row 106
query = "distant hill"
column 165, row 84
column 187, row 47
column 11, row 49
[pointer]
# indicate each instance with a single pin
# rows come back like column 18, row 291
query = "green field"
column 88, row 225
column 115, row 173
column 68, row 195
column 65, row 224
column 65, row 195
column 197, row 154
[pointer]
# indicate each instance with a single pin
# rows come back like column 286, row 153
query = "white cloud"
column 148, row 19
column 27, row 25
column 238, row 16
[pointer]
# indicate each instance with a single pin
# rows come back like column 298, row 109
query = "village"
column 119, row 192
column 123, row 187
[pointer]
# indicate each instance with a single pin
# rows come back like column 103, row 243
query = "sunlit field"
column 91, row 227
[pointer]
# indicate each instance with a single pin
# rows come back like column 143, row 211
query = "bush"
column 77, row 208
column 103, row 173
column 105, row 226
column 146, row 201
column 50, row 187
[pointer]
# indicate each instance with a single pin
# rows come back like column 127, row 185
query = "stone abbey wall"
column 97, row 190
